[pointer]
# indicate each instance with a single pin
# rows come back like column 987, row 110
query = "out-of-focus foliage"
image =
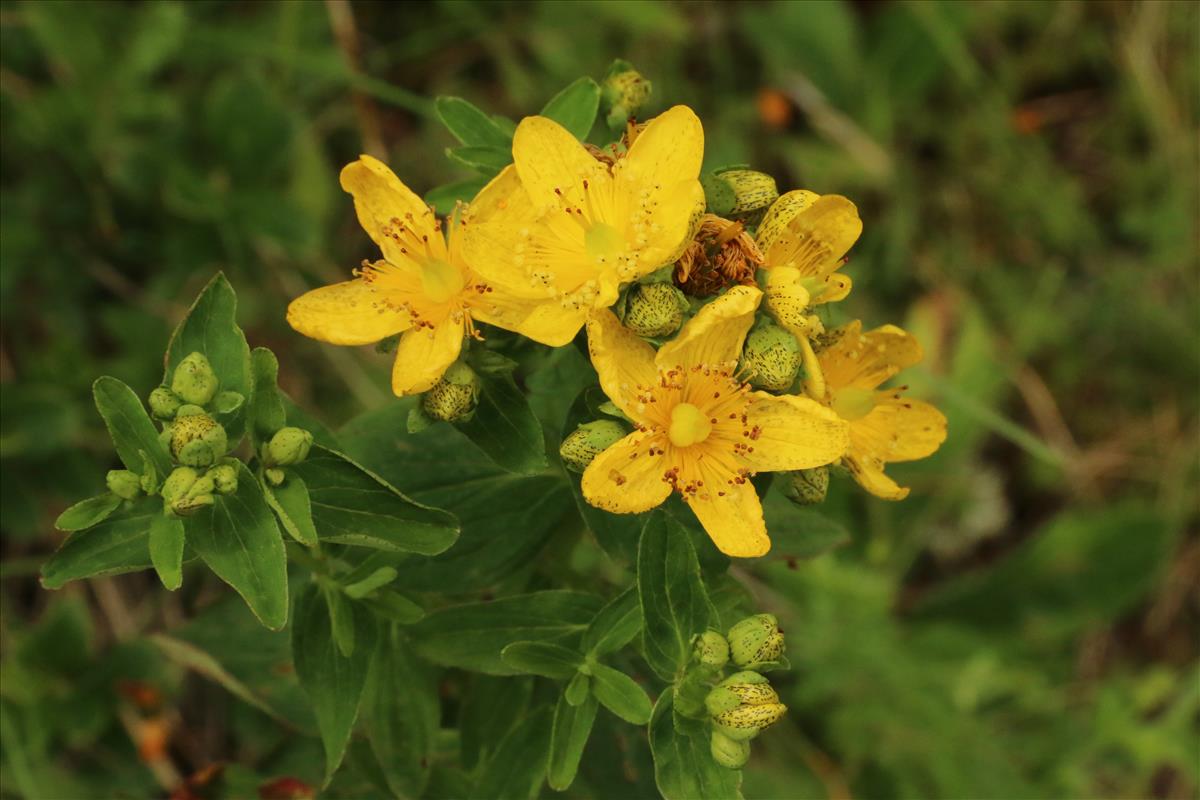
column 1021, row 626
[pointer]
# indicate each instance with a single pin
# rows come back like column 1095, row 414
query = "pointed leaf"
column 575, row 107
column 572, row 727
column 166, row 549
column 118, row 544
column 239, row 540
column 333, row 682
column 470, row 125
column 620, row 694
column 542, row 658
column 683, row 765
column 353, row 506
column 401, row 713
column 132, row 431
column 291, row 505
column 675, row 605
column 211, row 328
column 87, row 513
column 615, row 625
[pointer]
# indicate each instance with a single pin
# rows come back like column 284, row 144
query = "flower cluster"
column 703, row 302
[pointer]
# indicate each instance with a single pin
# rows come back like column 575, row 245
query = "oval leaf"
column 87, row 513
column 675, row 605
column 620, row 694
column 470, row 125
column 118, row 544
column 572, row 727
column 542, row 658
column 166, row 549
column 683, row 765
column 291, row 505
column 132, row 431
column 575, row 107
column 401, row 714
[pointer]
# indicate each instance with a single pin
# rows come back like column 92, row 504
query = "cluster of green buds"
column 771, row 357
column 588, row 441
column 188, row 409
column 653, row 310
column 739, row 194
column 187, row 490
column 624, row 92
column 286, row 447
column 742, row 704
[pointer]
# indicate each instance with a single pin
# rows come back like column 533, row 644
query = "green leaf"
column 615, row 625
column 675, row 606
column 578, row 689
column 239, row 540
column 266, row 412
column 292, row 506
column 517, row 768
column 620, row 694
column 166, row 549
column 443, row 198
column 130, row 426
column 491, row 708
column 392, row 605
column 506, row 519
column 376, row 580
column 575, row 107
column 572, row 727
column 683, row 765
column 333, row 682
column 799, row 532
column 87, row 513
column 341, row 620
column 351, row 505
column 118, row 544
column 192, row 657
column 504, row 426
column 472, row 636
column 469, row 125
column 401, row 713
column 542, row 658
column 487, row 160
column 210, row 328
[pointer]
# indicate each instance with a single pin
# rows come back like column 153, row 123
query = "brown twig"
column 345, row 31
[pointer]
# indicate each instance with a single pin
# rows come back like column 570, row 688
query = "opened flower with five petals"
column 596, row 226
column 885, row 426
column 701, row 431
column 804, row 238
column 422, row 288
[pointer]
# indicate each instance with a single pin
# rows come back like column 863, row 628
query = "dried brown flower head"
column 721, row 254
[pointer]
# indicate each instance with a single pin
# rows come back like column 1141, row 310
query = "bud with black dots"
column 454, row 397
column 771, row 357
column 588, row 441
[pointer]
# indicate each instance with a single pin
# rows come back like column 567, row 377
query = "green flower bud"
column 164, row 403
column 711, row 649
column 194, row 380
column 190, row 410
column 750, row 688
column 752, row 193
column 454, row 397
column 275, row 476
column 288, row 446
column 123, row 483
column 588, row 441
column 197, row 440
column 720, row 700
column 625, row 91
column 654, row 309
column 742, row 705
column 756, row 642
column 746, row 721
column 806, row 487
column 771, row 357
column 185, row 492
column 728, row 752
column 224, row 478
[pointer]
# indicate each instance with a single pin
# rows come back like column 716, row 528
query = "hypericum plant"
column 702, row 299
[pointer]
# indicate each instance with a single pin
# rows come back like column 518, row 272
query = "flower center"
column 440, row 281
column 852, row 403
column 689, row 425
column 603, row 241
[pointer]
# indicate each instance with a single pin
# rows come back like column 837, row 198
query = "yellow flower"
column 700, row 431
column 595, row 226
column 804, row 238
column 422, row 288
column 884, row 425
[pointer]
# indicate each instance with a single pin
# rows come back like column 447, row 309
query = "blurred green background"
column 1024, row 625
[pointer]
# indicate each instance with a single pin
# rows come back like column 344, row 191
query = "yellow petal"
column 837, row 287
column 865, row 360
column 545, row 321
column 347, row 313
column 623, row 361
column 869, row 474
column 379, row 197
column 423, row 355
column 788, row 304
column 780, row 214
column 817, row 238
column 625, row 478
column 715, row 335
column 504, row 197
column 793, row 433
column 660, row 179
column 899, row 429
column 552, row 163
column 732, row 515
column 527, row 260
